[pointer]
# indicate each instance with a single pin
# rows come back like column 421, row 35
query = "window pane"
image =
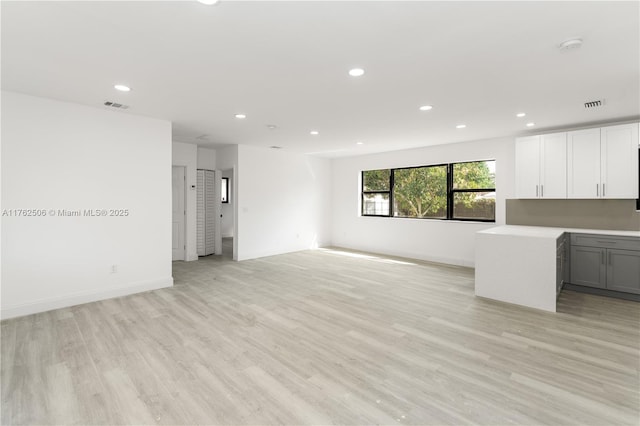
column 225, row 190
column 420, row 192
column 474, row 175
column 474, row 205
column 375, row 204
column 376, row 180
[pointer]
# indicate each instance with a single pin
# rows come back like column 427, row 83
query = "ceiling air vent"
column 594, row 104
column 116, row 105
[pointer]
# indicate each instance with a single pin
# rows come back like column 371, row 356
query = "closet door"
column 200, row 207
column 209, row 211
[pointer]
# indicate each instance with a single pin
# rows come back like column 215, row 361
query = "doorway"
column 178, row 230
column 228, row 215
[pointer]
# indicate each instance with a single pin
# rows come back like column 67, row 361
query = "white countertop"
column 549, row 232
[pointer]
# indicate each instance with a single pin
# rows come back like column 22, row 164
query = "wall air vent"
column 594, row 104
column 116, row 105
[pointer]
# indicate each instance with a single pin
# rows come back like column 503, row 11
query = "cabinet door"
column 528, row 167
column 588, row 266
column 583, row 165
column 553, row 165
column 623, row 270
column 561, row 262
column 619, row 153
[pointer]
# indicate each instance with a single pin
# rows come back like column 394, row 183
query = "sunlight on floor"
column 366, row 257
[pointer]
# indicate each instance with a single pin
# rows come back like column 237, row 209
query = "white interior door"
column 179, row 213
column 218, row 212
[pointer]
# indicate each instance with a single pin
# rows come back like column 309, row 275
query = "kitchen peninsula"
column 527, row 265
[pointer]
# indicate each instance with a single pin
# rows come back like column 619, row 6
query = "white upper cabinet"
column 541, row 166
column 591, row 163
column 553, row 167
column 619, row 166
column 528, row 167
column 603, row 163
column 583, row 167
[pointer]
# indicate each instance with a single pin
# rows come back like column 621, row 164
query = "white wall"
column 284, row 202
column 58, row 155
column 227, row 208
column 434, row 240
column 186, row 155
column 206, row 158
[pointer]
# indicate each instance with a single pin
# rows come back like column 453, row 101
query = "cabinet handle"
column 542, row 191
column 536, row 190
column 603, row 192
column 597, row 190
column 603, row 259
column 609, row 262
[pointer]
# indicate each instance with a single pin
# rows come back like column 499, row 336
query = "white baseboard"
column 44, row 305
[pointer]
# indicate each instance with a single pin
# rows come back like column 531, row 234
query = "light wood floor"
column 322, row 337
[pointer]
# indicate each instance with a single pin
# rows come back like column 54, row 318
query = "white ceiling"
column 286, row 63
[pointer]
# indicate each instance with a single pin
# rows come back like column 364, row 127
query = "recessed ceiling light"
column 572, row 43
column 208, row 2
column 356, row 72
column 271, row 126
column 314, row 132
column 520, row 114
column 425, row 107
column 461, row 126
column 122, row 88
column 240, row 116
column 359, row 143
column 531, row 124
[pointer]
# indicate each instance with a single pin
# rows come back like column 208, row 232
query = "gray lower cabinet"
column 606, row 262
column 588, row 266
column 562, row 273
column 623, row 270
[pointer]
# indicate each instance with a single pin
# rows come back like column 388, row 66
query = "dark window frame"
column 393, row 171
column 450, row 193
column 226, row 181
column 363, row 193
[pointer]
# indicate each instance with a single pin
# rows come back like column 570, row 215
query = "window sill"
column 484, row 222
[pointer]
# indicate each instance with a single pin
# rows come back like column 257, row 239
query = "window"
column 460, row 191
column 225, row 190
column 376, row 192
column 420, row 192
column 474, row 191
